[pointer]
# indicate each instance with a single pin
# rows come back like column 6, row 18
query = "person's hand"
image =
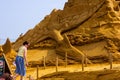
column 27, row 64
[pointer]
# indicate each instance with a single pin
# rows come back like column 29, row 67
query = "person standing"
column 21, row 61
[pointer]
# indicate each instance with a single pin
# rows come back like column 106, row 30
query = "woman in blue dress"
column 21, row 61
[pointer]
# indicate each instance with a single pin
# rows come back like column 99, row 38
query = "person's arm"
column 25, row 56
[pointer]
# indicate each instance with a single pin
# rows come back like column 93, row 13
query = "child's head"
column 26, row 43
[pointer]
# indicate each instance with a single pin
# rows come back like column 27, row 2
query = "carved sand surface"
column 84, row 29
column 80, row 23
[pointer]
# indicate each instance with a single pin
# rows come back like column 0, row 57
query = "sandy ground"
column 71, row 68
column 36, row 55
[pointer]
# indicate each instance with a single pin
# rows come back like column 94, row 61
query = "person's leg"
column 15, row 76
column 21, row 78
column 17, row 68
column 23, row 69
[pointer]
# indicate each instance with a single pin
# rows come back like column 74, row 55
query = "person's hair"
column 25, row 43
column 6, row 76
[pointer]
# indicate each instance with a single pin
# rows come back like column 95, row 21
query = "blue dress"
column 20, row 66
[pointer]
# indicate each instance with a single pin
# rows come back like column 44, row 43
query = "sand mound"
column 92, row 28
column 8, row 51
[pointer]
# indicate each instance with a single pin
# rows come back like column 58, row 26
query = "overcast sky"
column 17, row 16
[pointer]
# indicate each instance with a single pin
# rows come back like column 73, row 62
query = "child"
column 21, row 61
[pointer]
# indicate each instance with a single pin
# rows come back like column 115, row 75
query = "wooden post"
column 110, row 60
column 85, row 60
column 37, row 72
column 83, row 63
column 56, row 64
column 66, row 59
column 44, row 62
column 29, row 77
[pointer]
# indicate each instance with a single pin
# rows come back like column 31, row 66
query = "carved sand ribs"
column 61, row 21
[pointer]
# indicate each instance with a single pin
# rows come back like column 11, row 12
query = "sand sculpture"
column 1, row 50
column 93, row 20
